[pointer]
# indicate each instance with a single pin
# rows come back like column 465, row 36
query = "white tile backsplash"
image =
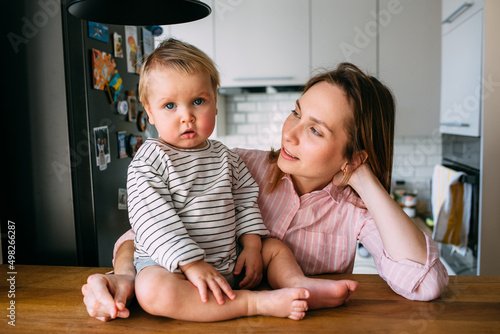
column 414, row 161
column 237, row 118
column 246, row 106
column 255, row 121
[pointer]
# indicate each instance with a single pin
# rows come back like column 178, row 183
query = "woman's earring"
column 343, row 171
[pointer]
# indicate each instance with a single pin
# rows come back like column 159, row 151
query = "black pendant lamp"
column 138, row 12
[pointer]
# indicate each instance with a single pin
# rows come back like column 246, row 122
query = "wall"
column 38, row 182
column 255, row 121
column 414, row 161
column 490, row 181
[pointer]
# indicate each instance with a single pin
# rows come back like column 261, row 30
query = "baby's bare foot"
column 327, row 293
column 284, row 303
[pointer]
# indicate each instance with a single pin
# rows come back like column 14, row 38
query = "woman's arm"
column 124, row 259
column 106, row 296
column 406, row 258
column 402, row 239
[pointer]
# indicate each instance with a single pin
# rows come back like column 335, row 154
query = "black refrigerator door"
column 99, row 221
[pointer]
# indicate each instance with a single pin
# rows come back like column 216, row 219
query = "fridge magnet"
column 98, row 31
column 133, row 144
column 131, row 48
column 114, row 87
column 147, row 42
column 139, row 59
column 155, row 30
column 132, row 106
column 103, row 66
column 101, row 140
column 122, row 149
column 117, row 43
column 142, row 121
column 122, row 107
column 138, row 144
column 122, row 199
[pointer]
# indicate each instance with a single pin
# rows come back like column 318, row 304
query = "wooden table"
column 48, row 299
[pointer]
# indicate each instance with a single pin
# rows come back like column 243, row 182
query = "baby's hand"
column 204, row 276
column 250, row 259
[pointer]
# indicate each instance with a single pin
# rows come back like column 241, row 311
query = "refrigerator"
column 59, row 206
column 104, row 125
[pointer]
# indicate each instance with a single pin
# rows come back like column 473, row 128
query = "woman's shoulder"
column 251, row 157
column 257, row 162
column 243, row 152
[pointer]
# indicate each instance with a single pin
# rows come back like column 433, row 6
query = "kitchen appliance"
column 462, row 153
column 100, row 215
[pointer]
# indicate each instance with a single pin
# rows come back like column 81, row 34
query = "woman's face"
column 313, row 137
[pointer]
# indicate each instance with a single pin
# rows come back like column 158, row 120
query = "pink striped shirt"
column 322, row 229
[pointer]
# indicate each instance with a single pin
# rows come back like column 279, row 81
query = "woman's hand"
column 106, row 296
column 354, row 177
column 402, row 239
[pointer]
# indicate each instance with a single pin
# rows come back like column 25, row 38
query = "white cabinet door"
column 198, row 33
column 262, row 42
column 455, row 12
column 410, row 64
column 344, row 31
column 461, row 88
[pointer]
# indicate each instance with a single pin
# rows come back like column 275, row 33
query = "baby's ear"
column 150, row 114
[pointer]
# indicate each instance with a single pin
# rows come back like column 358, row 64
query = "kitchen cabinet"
column 409, row 62
column 344, row 31
column 476, row 30
column 461, row 71
column 198, row 33
column 455, row 12
column 262, row 43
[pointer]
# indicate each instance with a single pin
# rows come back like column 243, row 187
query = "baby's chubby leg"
column 162, row 293
column 284, row 272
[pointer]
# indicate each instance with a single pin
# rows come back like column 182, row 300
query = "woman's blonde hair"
column 180, row 56
column 370, row 129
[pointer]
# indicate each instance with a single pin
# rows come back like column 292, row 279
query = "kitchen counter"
column 48, row 299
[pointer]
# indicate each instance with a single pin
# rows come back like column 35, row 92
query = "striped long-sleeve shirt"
column 322, row 229
column 188, row 205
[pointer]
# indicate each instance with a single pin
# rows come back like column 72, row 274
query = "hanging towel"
column 451, row 206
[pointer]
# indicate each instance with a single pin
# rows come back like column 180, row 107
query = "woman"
column 326, row 189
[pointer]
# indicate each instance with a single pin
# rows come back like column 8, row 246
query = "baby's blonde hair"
column 180, row 56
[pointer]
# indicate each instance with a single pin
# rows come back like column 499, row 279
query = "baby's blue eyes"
column 197, row 102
